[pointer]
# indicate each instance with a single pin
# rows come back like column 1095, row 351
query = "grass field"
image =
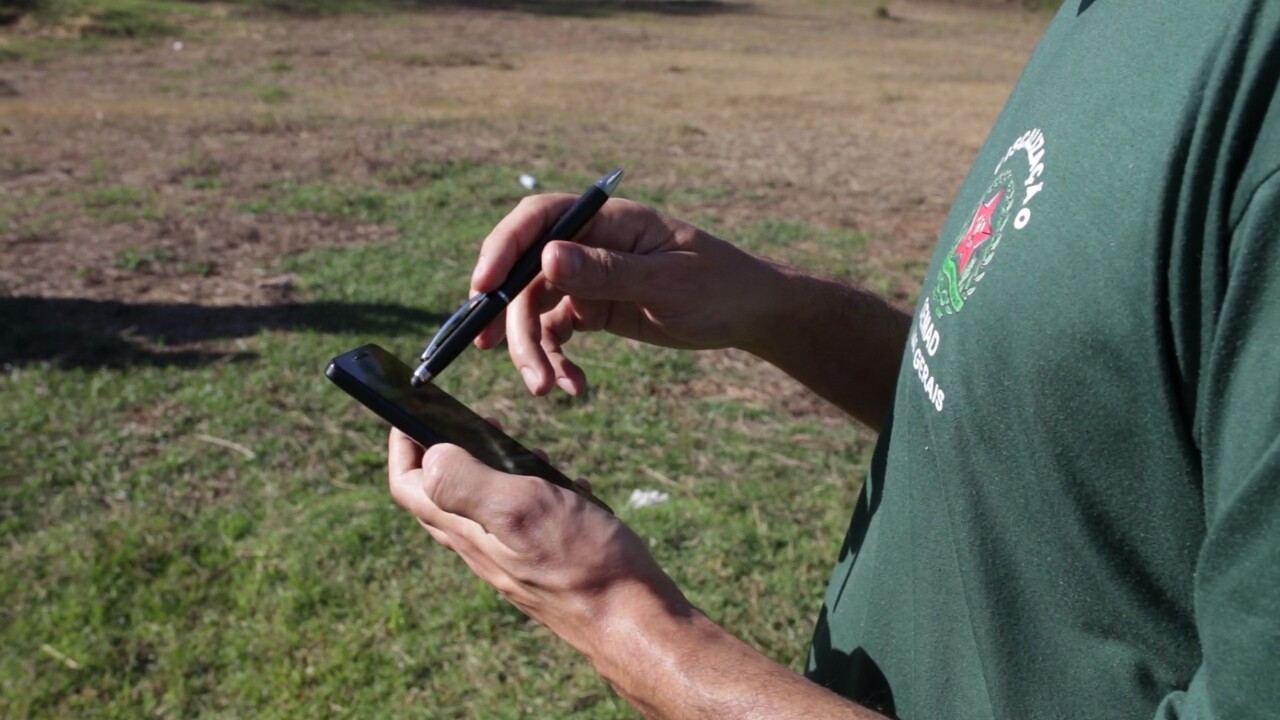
column 195, row 523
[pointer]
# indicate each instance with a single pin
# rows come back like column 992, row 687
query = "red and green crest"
column 975, row 247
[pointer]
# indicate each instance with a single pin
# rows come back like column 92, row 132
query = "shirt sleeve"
column 1237, row 584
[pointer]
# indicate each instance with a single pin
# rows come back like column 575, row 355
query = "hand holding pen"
column 632, row 272
column 476, row 314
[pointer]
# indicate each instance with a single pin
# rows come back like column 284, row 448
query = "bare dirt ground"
column 124, row 169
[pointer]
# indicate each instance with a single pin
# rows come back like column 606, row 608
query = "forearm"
column 679, row 664
column 591, row 580
column 843, row 343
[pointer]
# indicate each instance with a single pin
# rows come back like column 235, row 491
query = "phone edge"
column 389, row 413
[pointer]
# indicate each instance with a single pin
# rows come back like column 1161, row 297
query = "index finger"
column 513, row 235
column 621, row 225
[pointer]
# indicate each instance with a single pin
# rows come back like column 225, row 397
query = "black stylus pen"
column 476, row 314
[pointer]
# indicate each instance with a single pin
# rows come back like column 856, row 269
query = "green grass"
column 115, row 18
column 120, row 204
column 150, row 18
column 199, row 171
column 214, row 539
column 272, row 94
column 144, row 261
column 26, row 217
column 327, row 8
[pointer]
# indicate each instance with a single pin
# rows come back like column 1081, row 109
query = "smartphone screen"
column 429, row 415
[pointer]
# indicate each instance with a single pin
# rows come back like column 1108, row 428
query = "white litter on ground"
column 529, row 182
column 646, row 498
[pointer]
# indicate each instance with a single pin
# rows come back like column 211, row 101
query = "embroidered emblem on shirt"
column 975, row 248
column 972, row 253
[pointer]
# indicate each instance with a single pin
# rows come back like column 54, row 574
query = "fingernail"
column 530, row 377
column 570, row 259
column 565, row 385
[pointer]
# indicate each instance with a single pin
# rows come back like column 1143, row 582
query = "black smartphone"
column 429, row 415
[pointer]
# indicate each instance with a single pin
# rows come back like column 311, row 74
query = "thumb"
column 598, row 274
column 502, row 505
column 456, row 482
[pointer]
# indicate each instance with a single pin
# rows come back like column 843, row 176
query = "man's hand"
column 582, row 573
column 632, row 272
column 561, row 559
column 637, row 273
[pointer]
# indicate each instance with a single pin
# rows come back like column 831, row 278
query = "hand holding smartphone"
column 429, row 415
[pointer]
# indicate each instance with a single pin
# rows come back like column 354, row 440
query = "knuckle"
column 557, row 328
column 433, row 463
column 523, row 509
column 505, row 585
column 606, row 268
column 514, row 518
column 538, row 208
column 529, row 203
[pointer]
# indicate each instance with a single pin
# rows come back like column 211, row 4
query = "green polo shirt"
column 1074, row 509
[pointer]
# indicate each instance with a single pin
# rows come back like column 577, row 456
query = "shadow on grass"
column 71, row 333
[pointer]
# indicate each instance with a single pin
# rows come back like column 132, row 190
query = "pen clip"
column 451, row 325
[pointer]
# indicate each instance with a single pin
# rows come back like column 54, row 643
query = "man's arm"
column 683, row 665
column 1237, row 416
column 637, row 273
column 581, row 572
column 843, row 343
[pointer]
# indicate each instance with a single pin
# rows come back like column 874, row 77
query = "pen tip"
column 420, row 376
column 609, row 182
